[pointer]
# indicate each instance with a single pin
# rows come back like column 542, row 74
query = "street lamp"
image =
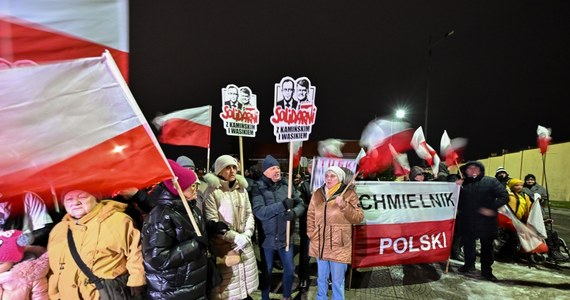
column 400, row 114
column 431, row 46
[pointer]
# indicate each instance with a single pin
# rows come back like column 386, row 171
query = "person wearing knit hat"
column 276, row 210
column 333, row 209
column 113, row 241
column 186, row 162
column 417, row 174
column 518, row 201
column 502, row 175
column 230, row 227
column 536, row 191
column 23, row 268
column 174, row 253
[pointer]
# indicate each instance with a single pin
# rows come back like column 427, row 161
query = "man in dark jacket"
column 479, row 200
column 274, row 208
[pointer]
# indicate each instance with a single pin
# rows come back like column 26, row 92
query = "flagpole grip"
column 186, row 206
column 289, row 193
column 349, row 184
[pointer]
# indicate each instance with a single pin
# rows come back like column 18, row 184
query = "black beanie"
column 268, row 162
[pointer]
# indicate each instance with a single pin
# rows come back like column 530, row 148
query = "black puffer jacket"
column 175, row 263
column 478, row 192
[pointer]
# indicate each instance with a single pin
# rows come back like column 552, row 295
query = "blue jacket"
column 267, row 205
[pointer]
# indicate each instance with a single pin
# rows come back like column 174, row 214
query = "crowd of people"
column 166, row 241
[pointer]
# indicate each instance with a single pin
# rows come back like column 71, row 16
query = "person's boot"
column 489, row 276
column 553, row 244
column 466, row 269
column 304, row 286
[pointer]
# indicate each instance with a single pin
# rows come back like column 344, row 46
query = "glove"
column 217, row 227
column 288, row 203
column 137, row 290
column 201, row 240
column 290, row 215
column 241, row 240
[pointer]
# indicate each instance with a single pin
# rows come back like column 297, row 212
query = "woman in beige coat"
column 228, row 211
column 329, row 227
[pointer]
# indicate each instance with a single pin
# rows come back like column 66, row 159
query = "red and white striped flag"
column 330, row 148
column 297, row 152
column 530, row 239
column 74, row 124
column 376, row 137
column 425, row 151
column 543, row 138
column 451, row 149
column 54, row 30
column 188, row 127
column 400, row 162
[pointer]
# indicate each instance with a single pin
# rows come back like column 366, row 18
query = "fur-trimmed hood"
column 27, row 271
column 215, row 182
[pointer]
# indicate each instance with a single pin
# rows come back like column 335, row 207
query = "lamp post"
column 431, row 46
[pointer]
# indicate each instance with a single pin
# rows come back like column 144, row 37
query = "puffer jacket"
column 330, row 228
column 175, row 263
column 231, row 205
column 26, row 280
column 108, row 243
column 268, row 207
column 476, row 193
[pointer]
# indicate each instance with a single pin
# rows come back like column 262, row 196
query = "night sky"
column 503, row 72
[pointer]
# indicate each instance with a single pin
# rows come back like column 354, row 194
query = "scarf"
column 332, row 190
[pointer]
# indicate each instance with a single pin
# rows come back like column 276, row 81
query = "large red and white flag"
column 376, row 137
column 425, row 151
column 53, row 30
column 451, row 149
column 187, row 127
column 530, row 240
column 74, row 124
column 543, row 138
column 400, row 162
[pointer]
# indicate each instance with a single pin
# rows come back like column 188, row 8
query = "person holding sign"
column 333, row 209
column 272, row 206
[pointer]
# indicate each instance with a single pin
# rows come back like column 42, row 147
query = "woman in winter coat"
column 175, row 257
column 329, row 227
column 228, row 211
column 23, row 269
column 106, row 240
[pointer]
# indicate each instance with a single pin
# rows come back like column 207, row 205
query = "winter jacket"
column 476, row 193
column 268, row 207
column 330, row 228
column 520, row 205
column 174, row 261
column 26, row 280
column 108, row 243
column 231, row 205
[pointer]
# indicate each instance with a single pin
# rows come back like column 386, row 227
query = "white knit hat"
column 338, row 171
column 222, row 162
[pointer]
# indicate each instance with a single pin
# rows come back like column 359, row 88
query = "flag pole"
column 350, row 183
column 289, row 193
column 186, row 206
column 546, row 188
column 241, row 155
column 209, row 143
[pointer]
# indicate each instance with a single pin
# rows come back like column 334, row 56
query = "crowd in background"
column 195, row 239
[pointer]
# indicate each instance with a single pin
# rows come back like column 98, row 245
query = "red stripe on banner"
column 38, row 45
column 400, row 244
column 185, row 132
column 127, row 160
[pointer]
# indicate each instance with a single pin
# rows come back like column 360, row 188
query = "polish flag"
column 330, row 148
column 530, row 240
column 188, row 127
column 451, row 149
column 297, row 151
column 400, row 162
column 376, row 137
column 425, row 151
column 74, row 124
column 543, row 138
column 54, row 30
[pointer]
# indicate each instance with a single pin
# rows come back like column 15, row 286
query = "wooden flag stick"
column 186, row 206
column 241, row 155
column 289, row 193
